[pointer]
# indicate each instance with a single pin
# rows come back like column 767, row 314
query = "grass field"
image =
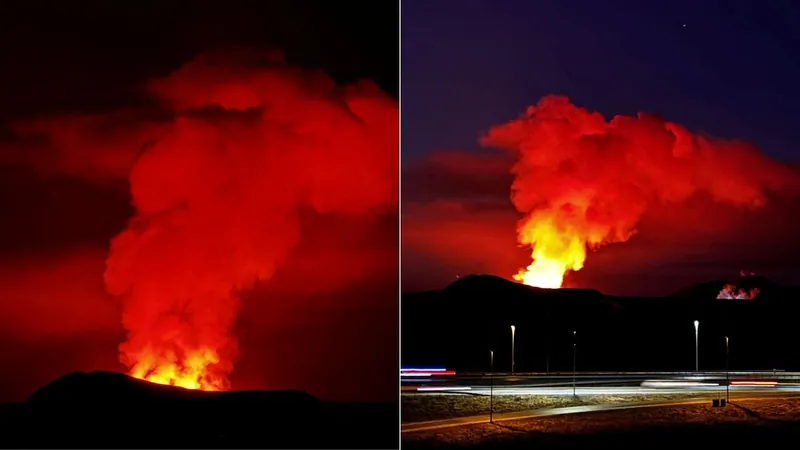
column 746, row 423
column 420, row 407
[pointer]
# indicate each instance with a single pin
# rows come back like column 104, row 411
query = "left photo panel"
column 200, row 239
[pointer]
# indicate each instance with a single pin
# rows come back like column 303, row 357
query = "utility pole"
column 513, row 331
column 696, row 346
column 574, row 358
column 491, row 386
column 727, row 372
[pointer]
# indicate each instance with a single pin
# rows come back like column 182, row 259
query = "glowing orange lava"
column 542, row 273
column 555, row 251
column 190, row 372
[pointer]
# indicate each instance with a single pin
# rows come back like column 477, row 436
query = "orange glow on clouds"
column 582, row 182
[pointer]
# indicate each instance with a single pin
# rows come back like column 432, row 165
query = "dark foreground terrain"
column 456, row 327
column 754, row 424
column 111, row 410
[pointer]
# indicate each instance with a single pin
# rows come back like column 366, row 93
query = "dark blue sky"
column 732, row 71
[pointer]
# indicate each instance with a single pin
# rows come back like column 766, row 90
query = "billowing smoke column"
column 583, row 182
column 217, row 195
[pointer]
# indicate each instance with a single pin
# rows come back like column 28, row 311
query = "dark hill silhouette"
column 458, row 325
column 767, row 288
column 493, row 285
column 103, row 409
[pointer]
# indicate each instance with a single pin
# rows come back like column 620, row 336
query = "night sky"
column 726, row 68
column 63, row 60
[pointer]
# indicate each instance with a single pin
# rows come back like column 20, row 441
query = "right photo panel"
column 599, row 203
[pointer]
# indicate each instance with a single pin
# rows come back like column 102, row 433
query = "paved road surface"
column 744, row 385
column 588, row 390
column 588, row 383
column 544, row 412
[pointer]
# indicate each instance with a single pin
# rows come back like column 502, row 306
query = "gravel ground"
column 421, row 407
column 741, row 423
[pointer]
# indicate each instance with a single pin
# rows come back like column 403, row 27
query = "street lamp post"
column 727, row 372
column 696, row 346
column 574, row 358
column 491, row 386
column 513, row 330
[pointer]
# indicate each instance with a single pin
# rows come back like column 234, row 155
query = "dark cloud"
column 450, row 174
column 86, row 56
column 50, row 215
column 456, row 208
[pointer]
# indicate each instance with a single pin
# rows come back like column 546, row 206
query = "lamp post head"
column 513, row 328
column 696, row 325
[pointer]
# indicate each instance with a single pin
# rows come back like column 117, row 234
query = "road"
column 547, row 412
column 744, row 385
column 622, row 383
column 590, row 390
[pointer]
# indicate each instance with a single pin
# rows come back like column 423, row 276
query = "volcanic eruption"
column 582, row 182
column 242, row 143
column 733, row 291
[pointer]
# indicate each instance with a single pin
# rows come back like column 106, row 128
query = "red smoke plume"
column 245, row 144
column 583, row 182
column 217, row 198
